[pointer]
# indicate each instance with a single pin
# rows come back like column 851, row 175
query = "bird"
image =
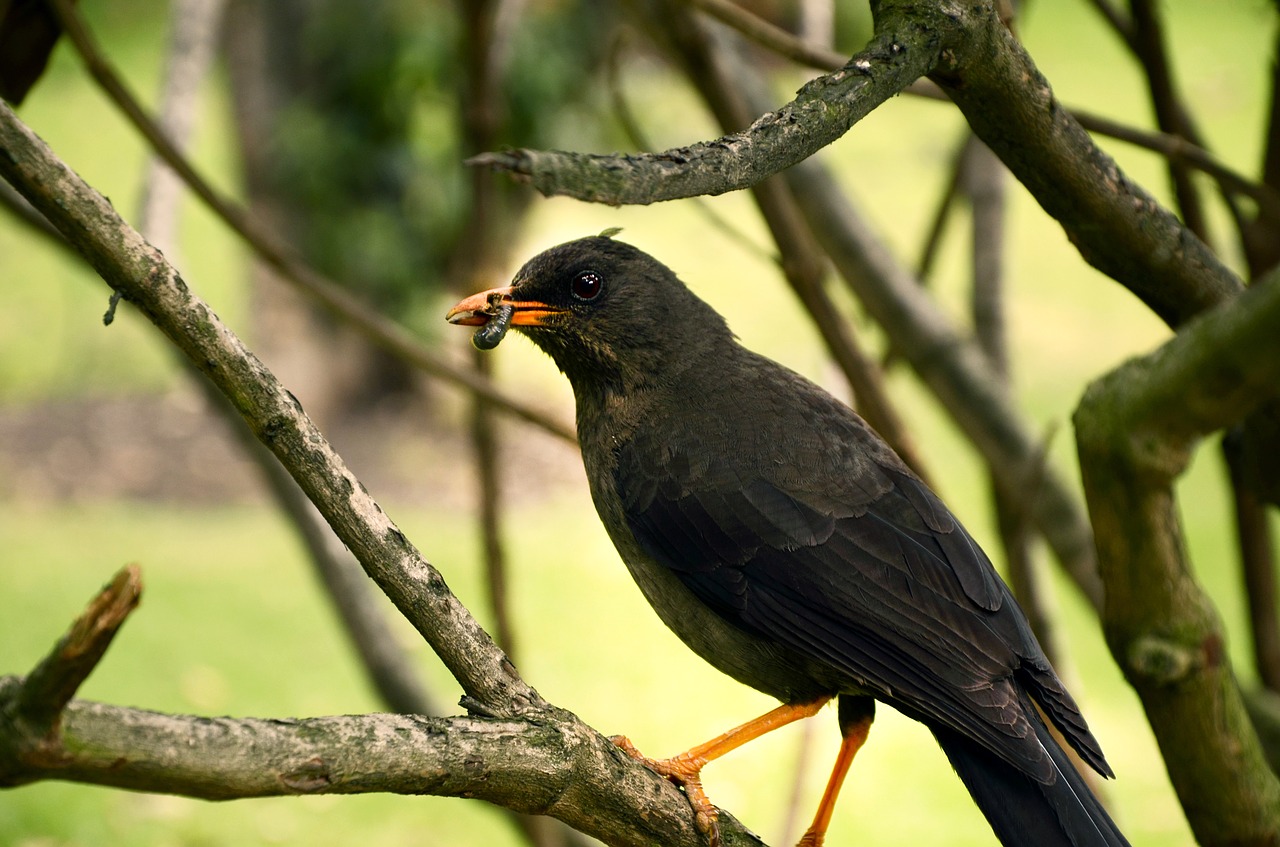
column 786, row 543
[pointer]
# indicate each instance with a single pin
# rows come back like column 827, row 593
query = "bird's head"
column 608, row 314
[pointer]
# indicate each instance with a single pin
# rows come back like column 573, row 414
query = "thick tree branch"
column 1135, row 430
column 547, row 764
column 823, row 111
column 1117, row 227
column 552, row 766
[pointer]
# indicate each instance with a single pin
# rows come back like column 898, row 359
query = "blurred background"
column 340, row 126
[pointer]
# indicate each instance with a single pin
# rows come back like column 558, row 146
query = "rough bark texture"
column 824, row 110
column 554, row 765
column 1135, row 430
column 1115, row 224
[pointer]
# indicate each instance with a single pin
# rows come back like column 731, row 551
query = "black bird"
column 787, row 544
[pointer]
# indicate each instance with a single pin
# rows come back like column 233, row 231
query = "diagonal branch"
column 1115, row 224
column 1176, row 148
column 143, row 277
column 38, row 704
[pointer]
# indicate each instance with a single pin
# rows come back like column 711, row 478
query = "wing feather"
column 891, row 591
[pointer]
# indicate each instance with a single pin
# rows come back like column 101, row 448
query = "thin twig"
column 51, row 684
column 943, row 210
column 1171, row 113
column 1257, row 564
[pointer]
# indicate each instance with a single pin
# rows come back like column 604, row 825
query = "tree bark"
column 1135, row 429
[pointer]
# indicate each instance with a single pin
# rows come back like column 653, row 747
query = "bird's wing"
column 878, row 582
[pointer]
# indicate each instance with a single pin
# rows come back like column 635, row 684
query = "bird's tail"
column 1023, row 811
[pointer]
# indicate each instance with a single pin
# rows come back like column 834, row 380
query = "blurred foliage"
column 367, row 143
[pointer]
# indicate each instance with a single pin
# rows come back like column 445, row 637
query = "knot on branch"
column 1165, row 661
column 311, row 777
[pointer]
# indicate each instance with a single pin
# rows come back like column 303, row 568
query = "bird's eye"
column 587, row 285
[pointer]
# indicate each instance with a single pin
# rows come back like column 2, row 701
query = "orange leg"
column 854, row 730
column 685, row 769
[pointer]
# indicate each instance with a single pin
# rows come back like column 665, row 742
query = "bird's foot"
column 685, row 771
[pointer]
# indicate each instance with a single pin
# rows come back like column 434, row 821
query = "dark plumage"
column 781, row 539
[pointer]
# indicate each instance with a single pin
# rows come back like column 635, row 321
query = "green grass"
column 232, row 621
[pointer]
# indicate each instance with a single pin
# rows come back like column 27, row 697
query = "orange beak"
column 478, row 308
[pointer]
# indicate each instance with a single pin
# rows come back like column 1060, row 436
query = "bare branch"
column 1135, row 430
column 51, row 685
column 1173, row 147
column 823, row 111
column 552, row 766
column 1171, row 114
column 1115, row 224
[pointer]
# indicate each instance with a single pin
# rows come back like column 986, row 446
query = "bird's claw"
column 685, row 771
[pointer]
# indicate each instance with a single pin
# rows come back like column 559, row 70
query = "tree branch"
column 38, row 704
column 552, row 766
column 1135, row 430
column 547, row 764
column 1115, row 224
column 824, row 110
column 1173, row 147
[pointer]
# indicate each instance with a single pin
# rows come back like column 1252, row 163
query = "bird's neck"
column 611, row 409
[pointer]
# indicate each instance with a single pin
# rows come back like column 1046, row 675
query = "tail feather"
column 1022, row 811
